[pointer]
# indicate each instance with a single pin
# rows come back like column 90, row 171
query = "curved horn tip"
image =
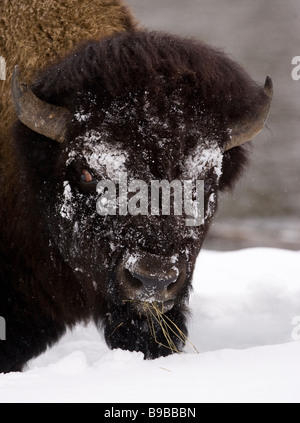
column 269, row 86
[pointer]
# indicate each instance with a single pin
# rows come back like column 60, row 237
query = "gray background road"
column 263, row 36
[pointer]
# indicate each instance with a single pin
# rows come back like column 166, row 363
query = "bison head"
column 154, row 107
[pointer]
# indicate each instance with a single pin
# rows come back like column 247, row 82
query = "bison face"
column 135, row 258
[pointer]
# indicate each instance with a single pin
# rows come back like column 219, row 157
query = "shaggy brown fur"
column 41, row 31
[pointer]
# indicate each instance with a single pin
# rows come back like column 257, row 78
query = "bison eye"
column 87, row 177
column 208, row 185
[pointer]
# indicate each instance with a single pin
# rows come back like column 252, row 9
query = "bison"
column 94, row 96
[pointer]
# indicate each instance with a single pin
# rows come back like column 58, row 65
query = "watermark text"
column 296, row 69
column 157, row 198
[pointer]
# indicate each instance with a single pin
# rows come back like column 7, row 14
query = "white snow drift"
column 243, row 321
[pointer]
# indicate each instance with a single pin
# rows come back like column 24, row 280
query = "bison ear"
column 253, row 123
column 40, row 116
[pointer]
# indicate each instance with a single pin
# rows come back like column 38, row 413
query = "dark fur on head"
column 155, row 96
column 112, row 68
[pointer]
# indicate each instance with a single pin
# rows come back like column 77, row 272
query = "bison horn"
column 246, row 129
column 40, row 116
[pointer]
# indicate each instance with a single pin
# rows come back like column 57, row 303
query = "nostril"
column 172, row 284
column 154, row 283
column 134, row 282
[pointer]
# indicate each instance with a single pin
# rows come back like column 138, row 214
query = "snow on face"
column 99, row 154
column 104, row 159
column 205, row 157
column 66, row 209
column 211, row 206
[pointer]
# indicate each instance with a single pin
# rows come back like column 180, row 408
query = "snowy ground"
column 242, row 307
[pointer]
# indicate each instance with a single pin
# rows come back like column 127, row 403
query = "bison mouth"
column 152, row 306
column 146, row 305
column 150, row 282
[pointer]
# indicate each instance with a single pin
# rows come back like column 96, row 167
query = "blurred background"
column 263, row 36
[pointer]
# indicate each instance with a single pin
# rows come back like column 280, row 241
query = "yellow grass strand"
column 116, row 329
column 168, row 327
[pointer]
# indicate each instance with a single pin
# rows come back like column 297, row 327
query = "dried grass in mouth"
column 155, row 316
column 121, row 324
